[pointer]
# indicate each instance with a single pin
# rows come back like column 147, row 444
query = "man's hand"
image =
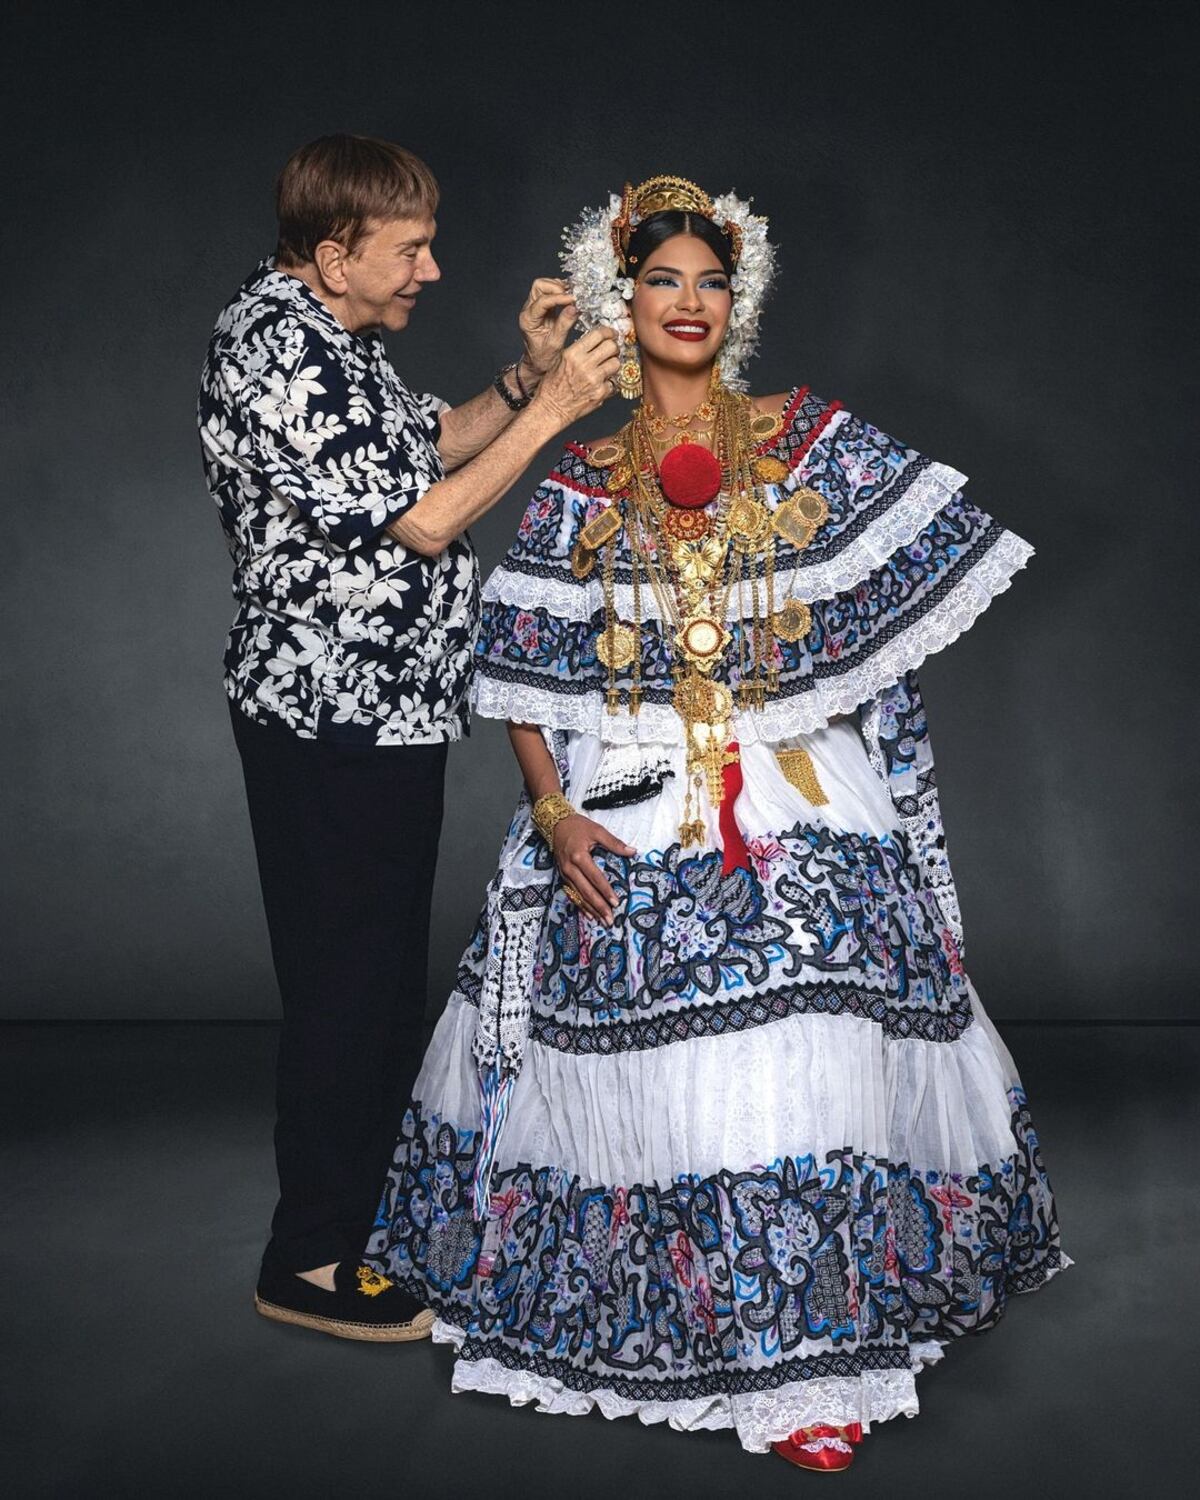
column 545, row 321
column 574, row 839
column 584, row 378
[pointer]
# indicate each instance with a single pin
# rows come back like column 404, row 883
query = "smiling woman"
column 714, row 1129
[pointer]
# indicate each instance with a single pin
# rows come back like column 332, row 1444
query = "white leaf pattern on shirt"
column 312, row 445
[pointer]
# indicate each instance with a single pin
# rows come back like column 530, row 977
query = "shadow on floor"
column 137, row 1177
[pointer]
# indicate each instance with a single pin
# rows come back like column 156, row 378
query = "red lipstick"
column 691, row 330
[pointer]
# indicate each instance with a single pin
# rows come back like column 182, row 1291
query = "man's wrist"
column 526, row 376
column 509, row 388
column 541, row 421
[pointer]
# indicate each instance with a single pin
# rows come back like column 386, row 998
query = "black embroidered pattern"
column 824, row 923
column 629, row 795
column 833, row 998
column 719, row 1382
column 537, row 649
column 710, row 1284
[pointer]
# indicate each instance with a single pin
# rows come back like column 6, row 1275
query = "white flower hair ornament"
column 595, row 247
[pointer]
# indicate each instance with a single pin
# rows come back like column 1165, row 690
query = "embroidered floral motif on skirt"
column 765, row 1155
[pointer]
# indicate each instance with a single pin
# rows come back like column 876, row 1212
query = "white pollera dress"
column 754, row 1154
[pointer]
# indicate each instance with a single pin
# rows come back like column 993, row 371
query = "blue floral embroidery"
column 713, row 1284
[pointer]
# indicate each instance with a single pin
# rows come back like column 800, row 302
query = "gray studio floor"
column 137, row 1174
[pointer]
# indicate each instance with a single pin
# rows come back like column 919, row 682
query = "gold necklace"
column 693, row 560
column 704, row 414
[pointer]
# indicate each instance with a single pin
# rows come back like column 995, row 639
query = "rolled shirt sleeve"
column 323, row 444
column 433, row 409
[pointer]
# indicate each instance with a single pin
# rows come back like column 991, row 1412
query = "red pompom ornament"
column 690, row 476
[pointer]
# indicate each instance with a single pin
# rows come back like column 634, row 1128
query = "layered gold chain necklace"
column 694, row 555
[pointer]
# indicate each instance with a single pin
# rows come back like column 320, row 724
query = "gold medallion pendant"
column 798, row 518
column 770, row 470
column 601, row 529
column 698, row 699
column 793, row 621
column 606, row 455
column 702, row 641
column 616, row 646
column 582, row 561
column 686, row 525
column 764, row 426
column 749, row 523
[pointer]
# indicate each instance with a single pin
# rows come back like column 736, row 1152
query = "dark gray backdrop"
column 983, row 240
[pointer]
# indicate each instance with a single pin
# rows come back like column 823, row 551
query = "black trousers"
column 346, row 838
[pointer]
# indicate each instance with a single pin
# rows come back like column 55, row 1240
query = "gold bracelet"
column 548, row 813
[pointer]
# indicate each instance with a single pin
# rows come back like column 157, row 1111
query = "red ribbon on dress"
column 737, row 856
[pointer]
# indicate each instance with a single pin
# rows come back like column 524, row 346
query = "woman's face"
column 681, row 304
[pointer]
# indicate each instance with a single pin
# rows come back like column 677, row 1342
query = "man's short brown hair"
column 332, row 187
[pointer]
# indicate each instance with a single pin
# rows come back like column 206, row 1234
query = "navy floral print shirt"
column 312, row 446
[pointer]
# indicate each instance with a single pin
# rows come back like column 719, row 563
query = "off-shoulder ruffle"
column 573, row 704
column 573, row 599
column 900, row 568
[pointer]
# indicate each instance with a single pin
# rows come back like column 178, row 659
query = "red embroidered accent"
column 575, row 488
column 788, row 413
column 736, row 855
column 818, row 428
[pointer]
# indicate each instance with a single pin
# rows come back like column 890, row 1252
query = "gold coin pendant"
column 770, row 470
column 617, row 647
column 764, row 426
column 605, row 455
column 793, row 621
column 812, row 506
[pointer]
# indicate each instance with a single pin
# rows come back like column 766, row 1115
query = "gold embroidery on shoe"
column 371, row 1283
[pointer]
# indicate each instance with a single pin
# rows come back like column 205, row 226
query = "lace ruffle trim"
column 801, row 713
column 901, row 524
column 760, row 1419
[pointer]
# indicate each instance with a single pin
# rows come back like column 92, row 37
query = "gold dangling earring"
column 714, row 379
column 629, row 380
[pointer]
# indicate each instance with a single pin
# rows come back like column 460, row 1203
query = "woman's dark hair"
column 657, row 228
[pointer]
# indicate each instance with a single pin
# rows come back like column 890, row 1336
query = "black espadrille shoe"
column 365, row 1305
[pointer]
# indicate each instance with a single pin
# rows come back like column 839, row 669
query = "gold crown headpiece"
column 656, row 195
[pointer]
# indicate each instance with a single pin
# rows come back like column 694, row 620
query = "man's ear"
column 330, row 260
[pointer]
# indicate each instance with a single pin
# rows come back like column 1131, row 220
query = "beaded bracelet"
column 514, row 403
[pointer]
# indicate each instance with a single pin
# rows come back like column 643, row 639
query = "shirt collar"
column 267, row 280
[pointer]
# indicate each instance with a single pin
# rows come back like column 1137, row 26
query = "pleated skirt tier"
column 765, row 1156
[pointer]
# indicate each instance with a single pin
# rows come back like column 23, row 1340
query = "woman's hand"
column 574, row 839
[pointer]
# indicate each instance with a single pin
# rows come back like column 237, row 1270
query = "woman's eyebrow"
column 675, row 271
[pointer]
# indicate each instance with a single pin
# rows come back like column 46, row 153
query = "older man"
column 345, row 498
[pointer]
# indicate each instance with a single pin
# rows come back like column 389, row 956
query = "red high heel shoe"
column 822, row 1448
